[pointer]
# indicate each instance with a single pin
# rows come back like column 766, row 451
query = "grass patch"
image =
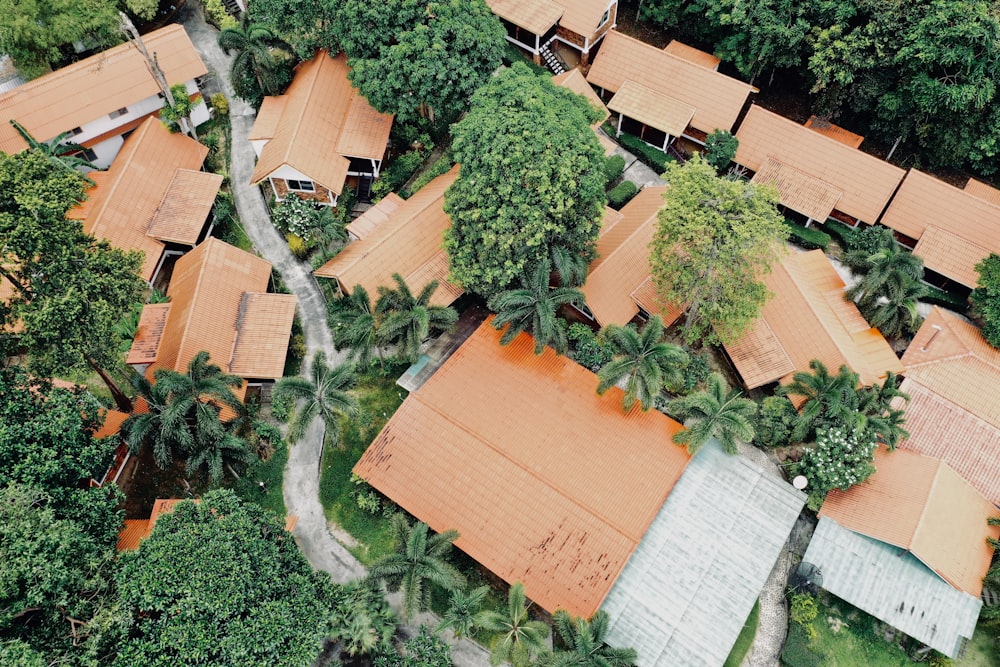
column 982, row 651
column 271, row 472
column 745, row 639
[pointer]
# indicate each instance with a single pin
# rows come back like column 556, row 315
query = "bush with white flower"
column 294, row 216
column 842, row 457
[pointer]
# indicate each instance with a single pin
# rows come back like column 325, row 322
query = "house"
column 218, row 303
column 542, row 26
column 575, row 81
column 809, row 318
column 101, row 99
column 660, row 95
column 619, row 286
column 320, row 136
column 153, row 198
column 951, row 229
column 952, row 374
column 909, row 547
column 399, row 236
column 819, row 171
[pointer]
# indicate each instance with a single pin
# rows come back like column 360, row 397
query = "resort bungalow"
column 320, row 136
column 544, row 28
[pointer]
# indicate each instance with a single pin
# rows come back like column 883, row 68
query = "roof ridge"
column 926, row 504
column 635, row 231
column 310, row 80
column 211, row 243
column 686, row 63
column 134, row 141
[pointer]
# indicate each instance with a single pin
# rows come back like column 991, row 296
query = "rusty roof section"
column 595, row 477
column 950, row 357
column 920, row 504
column 924, row 202
column 983, row 190
column 362, row 226
column 149, row 334
column 799, row 191
column 866, row 181
column 410, row 242
column 97, row 86
column 111, row 423
column 692, row 55
column 718, row 99
column 535, row 16
column 324, row 121
column 185, row 206
column 809, row 318
column 835, row 132
column 575, row 81
column 122, row 205
column 652, row 108
column 262, row 330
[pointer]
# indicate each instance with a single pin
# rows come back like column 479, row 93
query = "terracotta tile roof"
column 692, row 55
column 262, row 331
column 97, row 85
column 835, row 132
column 535, row 16
column 808, row 318
column 149, row 334
column 920, row 504
column 575, row 81
column 608, row 145
column 652, row 108
column 112, row 423
column 362, row 226
column 622, row 264
column 265, row 124
column 950, row 357
column 185, row 207
column 645, row 297
column 593, row 476
column 951, row 255
column 410, row 242
column 799, row 191
column 867, row 182
column 983, row 191
column 125, row 201
column 83, row 209
column 924, row 202
column 717, row 98
column 324, row 121
column 583, row 16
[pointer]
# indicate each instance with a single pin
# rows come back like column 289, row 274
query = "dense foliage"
column 307, row 26
column 533, row 308
column 841, row 458
column 986, row 298
column 424, row 650
column 262, row 62
column 643, row 361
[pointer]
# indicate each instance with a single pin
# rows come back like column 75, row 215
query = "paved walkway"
column 636, row 171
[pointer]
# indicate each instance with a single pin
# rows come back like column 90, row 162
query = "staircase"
column 553, row 61
column 233, row 7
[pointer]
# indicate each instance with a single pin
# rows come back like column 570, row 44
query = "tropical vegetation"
column 716, row 412
column 582, row 643
column 405, row 319
column 324, row 394
column 262, row 64
column 890, row 285
column 643, row 361
column 519, row 638
column 986, row 298
column 533, row 308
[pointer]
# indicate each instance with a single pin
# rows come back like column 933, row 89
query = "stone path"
column 636, row 171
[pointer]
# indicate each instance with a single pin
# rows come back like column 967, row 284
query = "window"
column 605, row 17
column 87, row 154
column 75, row 131
column 119, row 112
column 301, row 186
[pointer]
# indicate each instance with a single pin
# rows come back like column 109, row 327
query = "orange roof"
column 410, row 243
column 983, row 191
column 970, row 225
column 622, row 264
column 593, row 476
column 835, row 132
column 646, row 297
column 717, row 98
column 362, row 226
column 96, row 85
column 262, row 330
column 123, row 204
column 324, row 121
column 652, row 108
column 583, row 16
column 535, row 16
column 920, row 504
column 185, row 206
column 692, row 55
column 265, row 124
column 950, row 357
column 799, row 191
column 866, row 181
column 112, row 423
column 575, row 81
column 809, row 318
column 149, row 334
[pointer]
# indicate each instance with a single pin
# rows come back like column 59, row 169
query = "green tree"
column 643, row 360
column 464, row 608
column 585, row 644
column 177, row 116
column 263, row 63
column 362, row 619
column 144, row 9
column 826, row 397
column 324, row 394
column 58, row 149
column 720, row 149
column 717, row 412
column 424, row 650
column 518, row 638
column 533, row 307
column 761, row 35
column 418, row 562
column 354, row 326
column 776, row 417
column 222, row 583
column 305, row 26
column 531, row 180
column 420, row 59
column 715, row 240
column 890, row 285
column 986, row 298
column 405, row 320
column 841, row 458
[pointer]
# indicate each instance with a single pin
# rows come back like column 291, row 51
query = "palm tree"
column 643, row 360
column 221, row 450
column 59, row 151
column 532, row 308
column 419, row 560
column 325, row 394
column 886, row 269
column 715, row 412
column 828, row 398
column 874, row 411
column 405, row 320
column 585, row 644
column 462, row 615
column 520, row 638
column 261, row 63
column 570, row 267
column 362, row 619
column 354, row 326
column 895, row 313
column 163, row 426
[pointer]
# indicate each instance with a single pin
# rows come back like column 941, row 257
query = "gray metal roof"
column 688, row 588
column 893, row 585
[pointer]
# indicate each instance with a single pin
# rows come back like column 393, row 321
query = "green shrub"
column 622, row 194
column 807, row 237
column 399, row 172
column 939, row 297
column 844, row 234
column 220, row 104
column 588, row 349
column 775, row 420
column 297, row 245
column 804, row 609
column 720, row 149
column 440, row 166
column 869, row 238
column 797, row 651
column 512, row 55
column 614, row 166
column 216, row 14
column 696, row 371
column 648, row 155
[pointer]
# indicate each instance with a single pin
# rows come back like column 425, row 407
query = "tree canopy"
column 986, row 298
column 418, row 58
column 714, row 241
column 531, row 180
column 307, row 26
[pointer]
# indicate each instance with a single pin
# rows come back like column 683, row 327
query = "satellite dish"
column 806, row 577
column 800, row 482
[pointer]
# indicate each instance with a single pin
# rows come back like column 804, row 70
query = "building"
column 320, row 136
column 662, row 94
column 154, row 198
column 818, row 170
column 809, row 318
column 542, row 27
column 101, row 99
column 909, row 547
